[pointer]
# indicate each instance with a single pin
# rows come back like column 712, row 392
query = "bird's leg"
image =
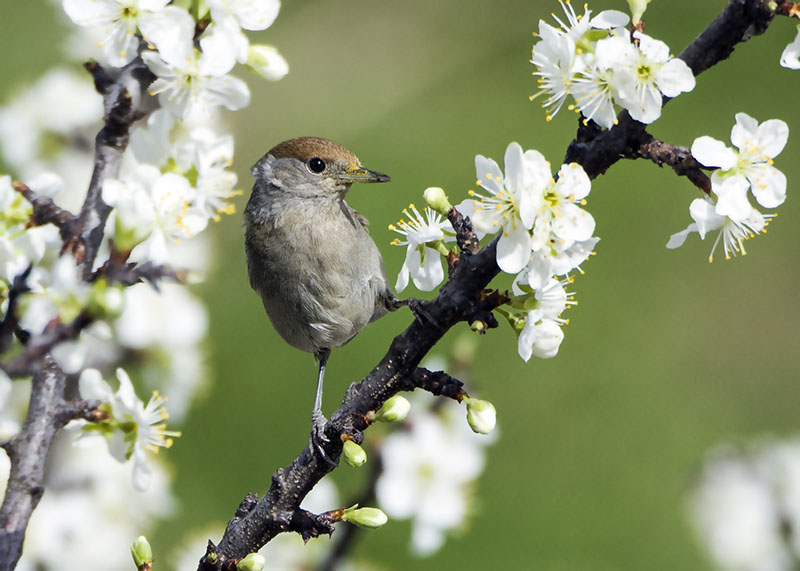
column 318, row 420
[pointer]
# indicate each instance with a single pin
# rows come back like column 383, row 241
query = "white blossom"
column 428, row 473
column 748, row 168
column 197, row 80
column 423, row 263
column 512, row 203
column 790, row 58
column 733, row 233
column 643, row 74
column 133, row 428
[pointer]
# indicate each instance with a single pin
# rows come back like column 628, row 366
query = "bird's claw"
column 318, row 422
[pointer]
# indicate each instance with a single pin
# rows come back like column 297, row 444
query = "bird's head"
column 311, row 167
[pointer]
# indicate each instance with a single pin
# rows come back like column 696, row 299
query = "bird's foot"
column 318, row 422
column 417, row 307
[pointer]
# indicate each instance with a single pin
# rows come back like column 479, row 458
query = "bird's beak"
column 360, row 174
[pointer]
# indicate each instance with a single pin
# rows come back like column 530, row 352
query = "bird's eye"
column 316, row 164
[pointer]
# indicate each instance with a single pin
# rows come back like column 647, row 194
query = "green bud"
column 142, row 553
column 478, row 326
column 638, row 8
column 437, row 199
column 266, row 62
column 354, row 454
column 252, row 562
column 481, row 415
column 105, row 300
column 365, row 517
column 394, row 410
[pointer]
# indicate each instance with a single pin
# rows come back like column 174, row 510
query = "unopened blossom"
column 732, row 233
column 790, row 58
column 133, row 427
column 540, row 337
column 748, row 168
column 265, row 61
column 423, row 263
column 644, row 74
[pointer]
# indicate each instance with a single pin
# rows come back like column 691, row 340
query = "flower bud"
column 394, row 410
column 365, row 517
column 142, row 553
column 637, row 9
column 105, row 300
column 437, row 199
column 267, row 62
column 354, row 454
column 252, row 562
column 481, row 415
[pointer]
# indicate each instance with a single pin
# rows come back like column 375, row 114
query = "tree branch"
column 48, row 412
column 596, row 149
column 125, row 100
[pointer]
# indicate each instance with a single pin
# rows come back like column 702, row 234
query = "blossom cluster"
column 544, row 235
column 174, row 179
column 602, row 66
column 429, row 470
column 739, row 173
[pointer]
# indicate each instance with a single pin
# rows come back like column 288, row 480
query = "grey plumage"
column 310, row 256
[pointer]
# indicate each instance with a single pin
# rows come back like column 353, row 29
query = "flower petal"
column 674, row 78
column 514, row 249
column 731, row 196
column 489, row 174
column 768, row 186
column 713, row 153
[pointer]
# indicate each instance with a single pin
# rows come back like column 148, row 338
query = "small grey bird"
column 309, row 255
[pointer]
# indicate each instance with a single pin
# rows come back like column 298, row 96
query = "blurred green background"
column 665, row 356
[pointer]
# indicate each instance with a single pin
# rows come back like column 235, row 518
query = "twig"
column 125, row 100
column 679, row 158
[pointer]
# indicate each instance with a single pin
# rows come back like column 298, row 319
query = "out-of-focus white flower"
column 512, row 204
column 643, row 75
column 197, row 80
column 206, row 156
column 133, row 427
column 790, row 57
column 86, row 480
column 265, row 61
column 733, row 233
column 425, row 239
column 750, row 167
column 119, row 20
column 65, row 295
column 249, row 14
column 745, row 506
column 50, row 127
column 169, row 325
column 172, row 215
column 428, row 473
